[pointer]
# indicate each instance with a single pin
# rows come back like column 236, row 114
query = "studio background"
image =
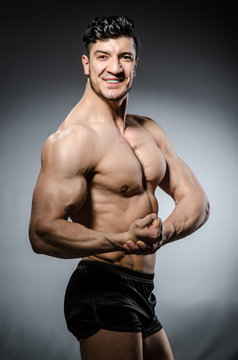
column 187, row 81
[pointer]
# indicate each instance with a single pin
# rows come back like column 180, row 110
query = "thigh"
column 157, row 347
column 112, row 345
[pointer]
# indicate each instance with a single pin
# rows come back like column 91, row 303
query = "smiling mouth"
column 113, row 81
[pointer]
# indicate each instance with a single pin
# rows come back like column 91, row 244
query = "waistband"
column 98, row 265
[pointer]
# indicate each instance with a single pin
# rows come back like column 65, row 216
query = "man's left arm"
column 191, row 204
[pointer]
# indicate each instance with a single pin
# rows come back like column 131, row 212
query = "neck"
column 107, row 110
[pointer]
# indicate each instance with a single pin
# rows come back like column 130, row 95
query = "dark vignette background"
column 187, row 81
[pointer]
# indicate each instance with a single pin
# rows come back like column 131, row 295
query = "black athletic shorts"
column 112, row 297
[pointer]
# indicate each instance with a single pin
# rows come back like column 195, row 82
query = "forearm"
column 188, row 216
column 68, row 240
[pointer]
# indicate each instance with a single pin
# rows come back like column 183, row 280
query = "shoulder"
column 68, row 137
column 69, row 148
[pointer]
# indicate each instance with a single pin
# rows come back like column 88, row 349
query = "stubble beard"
column 117, row 98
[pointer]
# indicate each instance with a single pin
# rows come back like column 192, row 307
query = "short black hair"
column 107, row 27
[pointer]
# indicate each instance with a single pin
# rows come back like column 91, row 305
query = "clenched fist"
column 144, row 236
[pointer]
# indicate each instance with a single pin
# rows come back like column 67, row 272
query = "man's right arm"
column 62, row 186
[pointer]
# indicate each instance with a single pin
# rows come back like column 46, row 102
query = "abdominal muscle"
column 116, row 216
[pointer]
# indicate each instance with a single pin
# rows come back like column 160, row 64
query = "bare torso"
column 121, row 186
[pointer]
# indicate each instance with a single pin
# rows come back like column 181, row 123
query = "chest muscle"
column 129, row 163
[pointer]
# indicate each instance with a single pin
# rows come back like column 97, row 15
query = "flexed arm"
column 191, row 209
column 62, row 186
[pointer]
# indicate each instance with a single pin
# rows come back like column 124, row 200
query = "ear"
column 85, row 62
column 135, row 66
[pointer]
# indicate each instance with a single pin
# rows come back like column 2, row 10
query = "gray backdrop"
column 187, row 82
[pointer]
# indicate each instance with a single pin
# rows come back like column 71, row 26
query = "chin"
column 116, row 97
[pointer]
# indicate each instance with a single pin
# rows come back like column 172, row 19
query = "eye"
column 102, row 57
column 127, row 57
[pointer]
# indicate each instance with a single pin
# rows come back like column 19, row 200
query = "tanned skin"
column 100, row 169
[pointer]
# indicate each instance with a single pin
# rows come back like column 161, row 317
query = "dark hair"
column 107, row 27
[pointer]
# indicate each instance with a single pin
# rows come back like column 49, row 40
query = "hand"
column 144, row 236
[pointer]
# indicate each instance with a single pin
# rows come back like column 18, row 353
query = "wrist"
column 117, row 240
column 168, row 233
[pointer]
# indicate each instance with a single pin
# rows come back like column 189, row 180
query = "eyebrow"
column 101, row 52
column 108, row 53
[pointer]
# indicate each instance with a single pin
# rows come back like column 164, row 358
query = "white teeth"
column 112, row 81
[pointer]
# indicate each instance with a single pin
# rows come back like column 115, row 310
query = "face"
column 111, row 67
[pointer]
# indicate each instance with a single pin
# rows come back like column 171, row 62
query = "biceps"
column 179, row 180
column 53, row 198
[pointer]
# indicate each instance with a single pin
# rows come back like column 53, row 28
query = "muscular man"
column 95, row 200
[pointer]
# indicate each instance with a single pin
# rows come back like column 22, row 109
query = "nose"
column 114, row 67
